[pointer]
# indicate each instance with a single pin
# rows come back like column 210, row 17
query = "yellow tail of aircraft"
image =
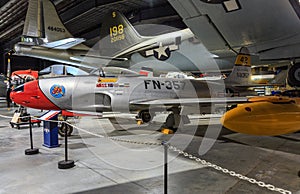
column 117, row 34
column 241, row 72
column 239, row 80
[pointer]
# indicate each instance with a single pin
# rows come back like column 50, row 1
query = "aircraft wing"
column 105, row 59
column 64, row 43
column 190, row 101
column 269, row 28
column 256, row 85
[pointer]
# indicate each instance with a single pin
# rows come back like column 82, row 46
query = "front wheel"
column 63, row 128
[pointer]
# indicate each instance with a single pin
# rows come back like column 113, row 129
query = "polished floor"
column 114, row 155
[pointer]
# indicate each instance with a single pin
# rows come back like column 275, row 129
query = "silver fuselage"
column 119, row 94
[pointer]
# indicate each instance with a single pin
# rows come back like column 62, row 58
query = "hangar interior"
column 118, row 152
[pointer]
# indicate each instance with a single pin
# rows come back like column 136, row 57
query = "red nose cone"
column 30, row 95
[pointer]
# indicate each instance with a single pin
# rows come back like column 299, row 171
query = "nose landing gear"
column 63, row 126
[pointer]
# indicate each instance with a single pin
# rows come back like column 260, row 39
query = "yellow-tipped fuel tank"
column 272, row 116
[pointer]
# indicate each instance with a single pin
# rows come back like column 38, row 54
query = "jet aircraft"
column 270, row 29
column 46, row 37
column 126, row 92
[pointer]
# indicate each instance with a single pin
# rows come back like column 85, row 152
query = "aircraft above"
column 120, row 45
column 270, row 29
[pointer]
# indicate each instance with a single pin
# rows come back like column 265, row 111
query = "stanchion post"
column 31, row 150
column 66, row 145
column 66, row 164
column 165, row 167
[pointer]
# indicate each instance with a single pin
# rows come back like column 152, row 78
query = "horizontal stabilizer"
column 64, row 43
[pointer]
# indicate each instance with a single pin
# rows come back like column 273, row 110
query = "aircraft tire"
column 63, row 127
column 294, row 75
column 145, row 116
column 170, row 122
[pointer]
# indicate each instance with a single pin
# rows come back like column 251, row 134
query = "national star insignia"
column 161, row 51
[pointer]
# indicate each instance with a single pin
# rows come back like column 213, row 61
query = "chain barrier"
column 185, row 154
column 229, row 172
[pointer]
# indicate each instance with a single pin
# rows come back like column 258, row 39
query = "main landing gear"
column 173, row 120
column 144, row 116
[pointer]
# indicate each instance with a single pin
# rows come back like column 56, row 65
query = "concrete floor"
column 107, row 166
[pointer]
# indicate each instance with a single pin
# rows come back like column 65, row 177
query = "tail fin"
column 117, row 34
column 241, row 72
column 42, row 21
column 280, row 78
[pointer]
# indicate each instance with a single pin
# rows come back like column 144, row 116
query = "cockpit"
column 63, row 70
column 114, row 72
